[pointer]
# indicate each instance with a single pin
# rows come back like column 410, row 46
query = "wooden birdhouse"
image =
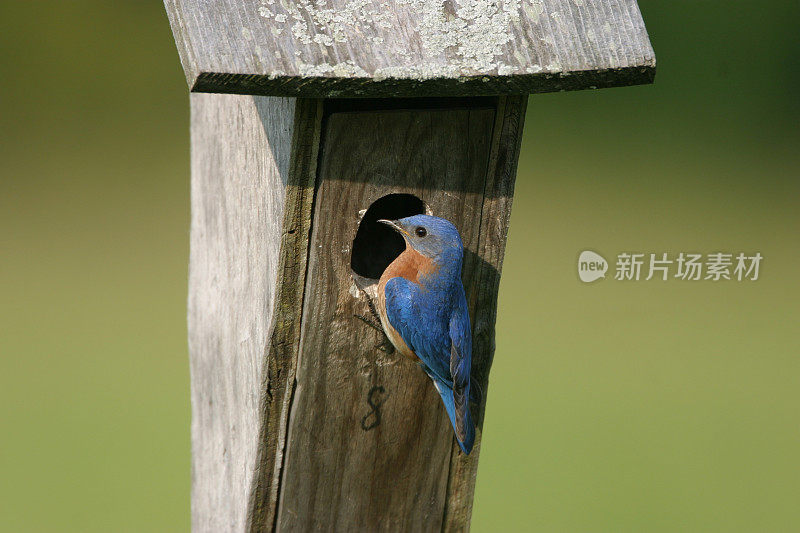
column 339, row 113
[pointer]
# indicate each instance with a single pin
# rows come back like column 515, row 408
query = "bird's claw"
column 369, row 322
column 385, row 345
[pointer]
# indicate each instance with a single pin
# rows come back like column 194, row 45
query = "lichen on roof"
column 464, row 37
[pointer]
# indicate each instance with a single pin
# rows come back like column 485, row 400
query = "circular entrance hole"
column 377, row 245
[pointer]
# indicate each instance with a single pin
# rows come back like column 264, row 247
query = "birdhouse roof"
column 329, row 48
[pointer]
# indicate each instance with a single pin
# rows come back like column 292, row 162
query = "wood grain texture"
column 284, row 339
column 283, row 372
column 240, row 161
column 405, row 472
column 329, row 48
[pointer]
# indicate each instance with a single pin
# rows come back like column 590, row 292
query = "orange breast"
column 410, row 265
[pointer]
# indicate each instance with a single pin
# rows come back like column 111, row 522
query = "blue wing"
column 443, row 343
column 460, row 369
column 421, row 326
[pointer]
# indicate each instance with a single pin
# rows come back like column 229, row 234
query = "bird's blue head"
column 431, row 236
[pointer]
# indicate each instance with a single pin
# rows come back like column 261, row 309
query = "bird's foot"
column 385, row 345
column 369, row 322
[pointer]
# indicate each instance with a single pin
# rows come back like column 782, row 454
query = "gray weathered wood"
column 407, row 472
column 242, row 189
column 316, row 48
column 281, row 367
column 284, row 340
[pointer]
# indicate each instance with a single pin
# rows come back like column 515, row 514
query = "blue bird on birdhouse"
column 423, row 311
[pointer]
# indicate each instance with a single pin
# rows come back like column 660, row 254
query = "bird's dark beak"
column 394, row 225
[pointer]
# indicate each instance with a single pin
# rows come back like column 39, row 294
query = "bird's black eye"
column 420, row 231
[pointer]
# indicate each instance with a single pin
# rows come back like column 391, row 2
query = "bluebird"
column 423, row 311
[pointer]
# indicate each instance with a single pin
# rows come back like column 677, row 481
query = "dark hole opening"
column 377, row 245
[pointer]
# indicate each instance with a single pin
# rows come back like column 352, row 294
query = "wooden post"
column 301, row 419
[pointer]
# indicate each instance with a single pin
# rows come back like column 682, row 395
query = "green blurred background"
column 649, row 406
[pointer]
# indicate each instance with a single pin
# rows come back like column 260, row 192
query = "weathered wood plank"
column 240, row 162
column 320, row 48
column 279, row 408
column 284, row 339
column 392, row 473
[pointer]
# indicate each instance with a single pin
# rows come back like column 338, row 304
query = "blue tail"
column 449, row 404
